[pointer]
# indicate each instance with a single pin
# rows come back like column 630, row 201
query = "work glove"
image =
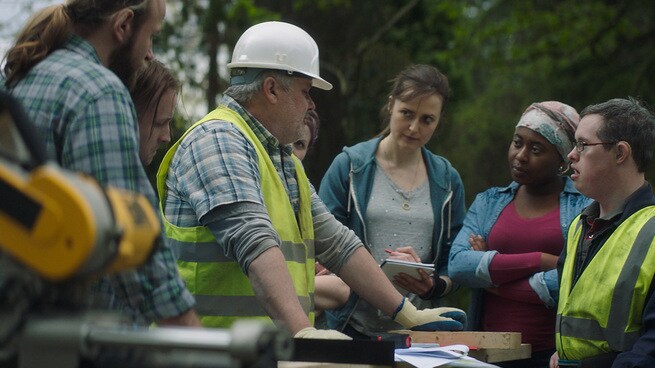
column 312, row 333
column 436, row 319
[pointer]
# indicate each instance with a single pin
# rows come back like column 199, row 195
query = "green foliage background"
column 500, row 56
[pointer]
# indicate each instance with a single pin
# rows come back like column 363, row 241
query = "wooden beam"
column 502, row 355
column 474, row 339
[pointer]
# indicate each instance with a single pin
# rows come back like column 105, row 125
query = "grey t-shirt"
column 395, row 218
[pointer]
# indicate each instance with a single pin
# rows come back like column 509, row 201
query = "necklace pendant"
column 406, row 206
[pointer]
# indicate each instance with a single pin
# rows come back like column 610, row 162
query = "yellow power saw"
column 58, row 231
column 62, row 224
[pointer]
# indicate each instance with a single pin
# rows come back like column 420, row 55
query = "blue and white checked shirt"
column 216, row 165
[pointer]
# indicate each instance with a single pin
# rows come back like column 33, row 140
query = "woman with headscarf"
column 508, row 247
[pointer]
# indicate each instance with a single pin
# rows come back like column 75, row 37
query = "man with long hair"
column 69, row 68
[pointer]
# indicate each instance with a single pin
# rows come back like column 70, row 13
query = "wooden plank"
column 475, row 339
column 524, row 351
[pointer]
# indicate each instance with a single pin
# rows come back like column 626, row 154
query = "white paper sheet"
column 430, row 357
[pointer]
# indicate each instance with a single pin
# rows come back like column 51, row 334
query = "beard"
column 122, row 63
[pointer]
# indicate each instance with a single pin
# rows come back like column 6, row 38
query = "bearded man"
column 69, row 68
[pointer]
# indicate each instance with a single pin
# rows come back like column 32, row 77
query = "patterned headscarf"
column 555, row 121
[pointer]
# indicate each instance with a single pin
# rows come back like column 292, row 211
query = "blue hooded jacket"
column 347, row 184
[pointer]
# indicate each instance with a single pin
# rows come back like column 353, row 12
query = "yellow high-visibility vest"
column 602, row 312
column 223, row 292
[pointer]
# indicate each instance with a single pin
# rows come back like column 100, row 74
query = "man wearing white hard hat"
column 246, row 223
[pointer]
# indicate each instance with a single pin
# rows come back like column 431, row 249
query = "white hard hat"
column 280, row 46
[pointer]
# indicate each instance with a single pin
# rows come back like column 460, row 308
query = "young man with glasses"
column 606, row 306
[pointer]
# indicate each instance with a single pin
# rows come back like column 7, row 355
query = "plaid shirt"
column 86, row 118
column 216, row 165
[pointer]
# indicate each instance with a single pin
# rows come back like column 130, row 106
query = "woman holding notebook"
column 401, row 200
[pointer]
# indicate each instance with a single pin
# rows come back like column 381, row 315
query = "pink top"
column 520, row 242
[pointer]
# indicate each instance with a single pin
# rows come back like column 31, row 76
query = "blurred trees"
column 500, row 56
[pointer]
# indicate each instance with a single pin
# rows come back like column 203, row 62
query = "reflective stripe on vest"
column 223, row 292
column 209, row 252
column 603, row 311
column 236, row 306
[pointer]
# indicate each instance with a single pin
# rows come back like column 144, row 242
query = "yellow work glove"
column 436, row 319
column 312, row 333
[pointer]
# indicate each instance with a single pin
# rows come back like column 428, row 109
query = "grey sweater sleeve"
column 243, row 229
column 334, row 242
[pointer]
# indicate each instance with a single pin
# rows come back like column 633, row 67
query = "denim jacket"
column 471, row 268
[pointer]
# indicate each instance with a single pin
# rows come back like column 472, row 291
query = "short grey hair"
column 244, row 93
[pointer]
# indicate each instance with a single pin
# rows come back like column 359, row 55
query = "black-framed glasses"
column 579, row 146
